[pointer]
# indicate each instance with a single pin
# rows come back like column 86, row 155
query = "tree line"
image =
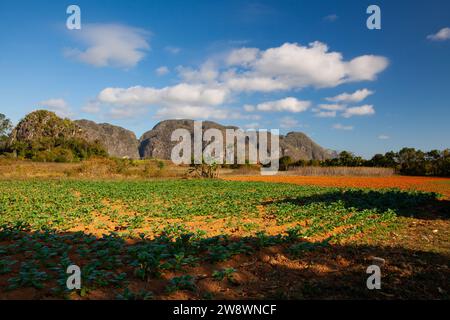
column 407, row 161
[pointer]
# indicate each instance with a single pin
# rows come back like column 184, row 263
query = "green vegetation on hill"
column 43, row 136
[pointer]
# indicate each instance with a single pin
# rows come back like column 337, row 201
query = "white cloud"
column 383, row 137
column 365, row 68
column 163, row 70
column 179, row 95
column 357, row 96
column 242, row 57
column 441, row 35
column 325, row 114
column 111, row 45
column 180, row 101
column 300, row 66
column 245, row 83
column 249, row 108
column 365, row 110
column 293, row 66
column 221, row 78
column 205, row 74
column 328, row 110
column 339, row 126
column 59, row 106
column 289, row 104
column 331, row 107
column 290, row 66
column 184, row 101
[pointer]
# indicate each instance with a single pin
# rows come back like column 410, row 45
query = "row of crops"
column 37, row 244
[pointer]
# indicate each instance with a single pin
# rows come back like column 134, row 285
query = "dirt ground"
column 428, row 184
column 414, row 257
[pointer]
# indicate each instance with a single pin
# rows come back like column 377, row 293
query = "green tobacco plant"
column 185, row 282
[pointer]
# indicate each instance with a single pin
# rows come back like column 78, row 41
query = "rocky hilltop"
column 298, row 145
column 43, row 124
column 157, row 143
column 118, row 142
column 43, row 136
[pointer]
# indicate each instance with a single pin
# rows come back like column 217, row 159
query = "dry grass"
column 91, row 169
column 17, row 169
column 142, row 169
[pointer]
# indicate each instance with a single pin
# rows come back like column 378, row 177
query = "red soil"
column 438, row 185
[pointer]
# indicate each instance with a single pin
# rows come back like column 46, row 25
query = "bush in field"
column 161, row 165
column 204, row 170
column 285, row 162
column 5, row 128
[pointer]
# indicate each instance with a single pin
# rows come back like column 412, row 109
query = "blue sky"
column 310, row 66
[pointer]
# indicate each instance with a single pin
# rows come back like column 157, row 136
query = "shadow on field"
column 339, row 272
column 270, row 267
column 418, row 205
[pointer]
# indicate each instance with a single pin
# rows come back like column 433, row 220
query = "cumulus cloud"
column 441, row 35
column 365, row 68
column 383, row 137
column 249, row 108
column 331, row 107
column 339, row 126
column 59, row 106
column 245, row 83
column 222, row 78
column 163, row 70
column 180, row 101
column 357, row 96
column 365, row 110
column 289, row 104
column 178, row 95
column 293, row 66
column 328, row 110
column 205, row 74
column 242, row 57
column 110, row 45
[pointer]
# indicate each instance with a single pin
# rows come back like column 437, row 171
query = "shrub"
column 285, row 162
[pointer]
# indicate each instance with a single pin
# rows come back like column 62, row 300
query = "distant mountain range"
column 156, row 143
